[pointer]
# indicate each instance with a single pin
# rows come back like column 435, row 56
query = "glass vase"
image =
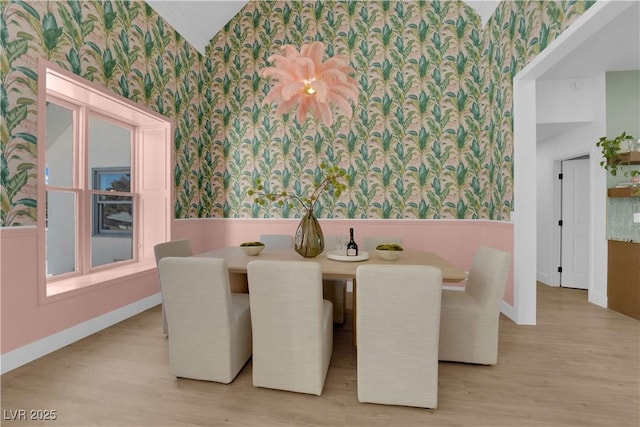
column 309, row 240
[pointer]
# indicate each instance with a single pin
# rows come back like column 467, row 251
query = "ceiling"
column 199, row 20
column 616, row 47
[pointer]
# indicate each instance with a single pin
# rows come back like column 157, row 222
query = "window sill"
column 90, row 282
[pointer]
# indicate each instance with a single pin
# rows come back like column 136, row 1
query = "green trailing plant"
column 330, row 181
column 613, row 161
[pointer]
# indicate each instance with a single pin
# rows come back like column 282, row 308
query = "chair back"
column 369, row 243
column 197, row 301
column 292, row 326
column 175, row 248
column 398, row 324
column 277, row 241
column 210, row 329
column 330, row 242
column 286, row 300
column 488, row 276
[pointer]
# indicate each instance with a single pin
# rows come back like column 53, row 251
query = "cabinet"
column 623, row 278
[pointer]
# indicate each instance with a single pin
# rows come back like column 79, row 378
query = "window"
column 80, row 139
column 112, row 212
column 104, row 182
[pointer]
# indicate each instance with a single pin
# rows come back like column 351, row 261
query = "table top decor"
column 252, row 248
column 342, row 256
column 389, row 251
column 309, row 239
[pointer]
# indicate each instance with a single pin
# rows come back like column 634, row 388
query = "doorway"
column 596, row 42
column 574, row 223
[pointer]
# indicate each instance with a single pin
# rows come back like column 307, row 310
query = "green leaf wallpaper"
column 122, row 45
column 431, row 134
column 430, row 137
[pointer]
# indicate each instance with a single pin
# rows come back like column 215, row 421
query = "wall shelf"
column 624, row 159
column 624, row 192
column 628, row 158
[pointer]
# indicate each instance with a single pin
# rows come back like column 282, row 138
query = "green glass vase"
column 309, row 240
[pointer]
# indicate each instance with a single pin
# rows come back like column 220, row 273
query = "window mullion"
column 84, row 205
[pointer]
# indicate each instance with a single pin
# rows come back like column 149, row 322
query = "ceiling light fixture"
column 311, row 85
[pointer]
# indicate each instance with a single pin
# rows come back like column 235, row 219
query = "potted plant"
column 309, row 240
column 613, row 150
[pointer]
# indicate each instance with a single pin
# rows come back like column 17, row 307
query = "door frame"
column 524, row 170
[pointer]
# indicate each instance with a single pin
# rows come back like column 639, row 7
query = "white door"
column 575, row 224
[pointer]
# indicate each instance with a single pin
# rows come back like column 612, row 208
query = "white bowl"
column 252, row 250
column 388, row 255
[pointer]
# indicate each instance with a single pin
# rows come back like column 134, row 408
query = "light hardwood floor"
column 580, row 366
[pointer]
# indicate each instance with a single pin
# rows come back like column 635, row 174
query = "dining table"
column 339, row 267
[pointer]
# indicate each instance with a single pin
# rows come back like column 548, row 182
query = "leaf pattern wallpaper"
column 431, row 135
column 122, row 45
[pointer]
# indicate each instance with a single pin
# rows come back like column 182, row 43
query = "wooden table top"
column 237, row 262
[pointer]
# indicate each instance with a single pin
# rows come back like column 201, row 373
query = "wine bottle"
column 352, row 246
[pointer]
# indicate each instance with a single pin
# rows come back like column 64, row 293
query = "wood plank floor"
column 580, row 366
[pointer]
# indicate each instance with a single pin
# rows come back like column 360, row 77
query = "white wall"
column 584, row 112
column 566, row 101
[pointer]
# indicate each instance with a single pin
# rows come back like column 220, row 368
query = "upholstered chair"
column 209, row 327
column 398, row 321
column 292, row 326
column 277, row 241
column 333, row 290
column 175, row 248
column 470, row 318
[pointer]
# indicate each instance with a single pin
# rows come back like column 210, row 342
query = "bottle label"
column 351, row 252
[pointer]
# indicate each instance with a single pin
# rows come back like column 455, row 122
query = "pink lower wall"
column 25, row 321
column 454, row 240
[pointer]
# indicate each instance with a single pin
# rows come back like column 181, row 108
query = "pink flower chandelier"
column 303, row 80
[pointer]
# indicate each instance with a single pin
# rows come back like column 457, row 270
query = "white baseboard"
column 509, row 311
column 542, row 277
column 30, row 352
column 598, row 299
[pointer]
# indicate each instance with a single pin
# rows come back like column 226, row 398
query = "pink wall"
column 25, row 321
column 454, row 240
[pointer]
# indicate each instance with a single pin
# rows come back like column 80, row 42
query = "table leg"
column 238, row 283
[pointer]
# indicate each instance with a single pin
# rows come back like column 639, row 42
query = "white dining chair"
column 174, row 248
column 333, row 290
column 209, row 327
column 469, row 321
column 292, row 326
column 277, row 241
column 398, row 317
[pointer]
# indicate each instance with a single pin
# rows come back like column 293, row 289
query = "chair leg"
column 165, row 327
